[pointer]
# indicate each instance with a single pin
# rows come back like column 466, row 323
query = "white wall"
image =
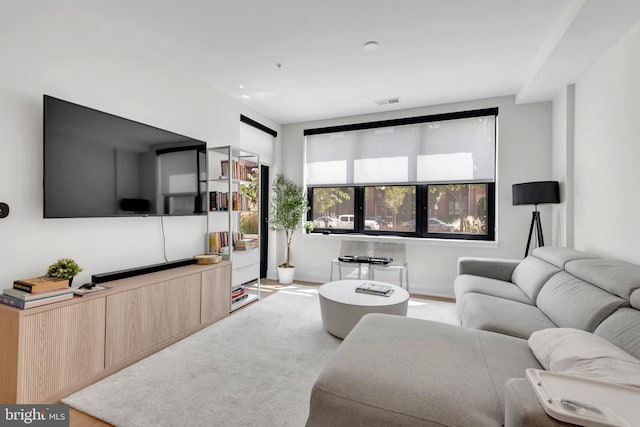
column 562, row 170
column 607, row 153
column 47, row 49
column 524, row 154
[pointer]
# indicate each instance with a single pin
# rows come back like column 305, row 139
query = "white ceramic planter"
column 285, row 275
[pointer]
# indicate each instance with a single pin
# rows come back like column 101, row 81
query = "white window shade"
column 256, row 141
column 330, row 172
column 445, row 167
column 381, row 169
column 442, row 151
column 471, row 142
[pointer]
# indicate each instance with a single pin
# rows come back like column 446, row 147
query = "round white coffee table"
column 342, row 307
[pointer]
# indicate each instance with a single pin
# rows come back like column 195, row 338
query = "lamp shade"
column 533, row 193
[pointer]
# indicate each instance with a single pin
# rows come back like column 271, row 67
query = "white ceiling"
column 431, row 51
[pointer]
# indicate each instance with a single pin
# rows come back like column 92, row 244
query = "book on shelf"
column 217, row 241
column 244, row 244
column 28, row 296
column 240, row 201
column 218, row 201
column 239, row 298
column 374, row 289
column 224, row 166
column 237, row 293
column 39, row 284
column 18, row 303
column 240, row 169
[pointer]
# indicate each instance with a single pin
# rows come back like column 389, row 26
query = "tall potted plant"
column 288, row 206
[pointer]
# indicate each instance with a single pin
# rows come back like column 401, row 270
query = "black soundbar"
column 137, row 271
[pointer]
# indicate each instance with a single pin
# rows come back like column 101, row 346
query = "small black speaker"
column 4, row 210
column 135, row 205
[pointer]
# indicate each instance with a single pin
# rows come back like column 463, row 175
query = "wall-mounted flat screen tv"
column 97, row 164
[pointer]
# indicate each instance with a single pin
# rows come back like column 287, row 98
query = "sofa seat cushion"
column 397, row 371
column 465, row 284
column 500, row 315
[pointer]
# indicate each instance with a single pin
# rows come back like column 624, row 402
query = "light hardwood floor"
column 267, row 288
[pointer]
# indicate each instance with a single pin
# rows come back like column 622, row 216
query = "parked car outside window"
column 325, row 222
column 436, row 225
column 347, row 222
column 382, row 222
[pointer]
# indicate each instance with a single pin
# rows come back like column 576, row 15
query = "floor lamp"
column 535, row 193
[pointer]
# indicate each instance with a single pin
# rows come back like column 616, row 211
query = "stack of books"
column 217, row 241
column 218, row 201
column 240, row 201
column 29, row 293
column 242, row 170
column 246, row 244
column 374, row 289
column 238, row 294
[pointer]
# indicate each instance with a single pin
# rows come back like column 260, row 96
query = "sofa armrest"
column 493, row 268
column 522, row 407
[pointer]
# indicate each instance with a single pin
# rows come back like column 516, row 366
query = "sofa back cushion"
column 616, row 277
column 573, row 303
column 559, row 256
column 622, row 328
column 531, row 274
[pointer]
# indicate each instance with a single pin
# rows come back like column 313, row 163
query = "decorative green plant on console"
column 64, row 268
column 308, row 226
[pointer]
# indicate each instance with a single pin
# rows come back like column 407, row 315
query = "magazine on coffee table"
column 374, row 289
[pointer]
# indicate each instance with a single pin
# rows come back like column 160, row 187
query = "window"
column 459, row 208
column 332, row 207
column 390, row 207
column 429, row 176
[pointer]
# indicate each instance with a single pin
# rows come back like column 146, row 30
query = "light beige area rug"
column 254, row 368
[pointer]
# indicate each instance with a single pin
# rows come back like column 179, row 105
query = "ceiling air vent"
column 387, row 101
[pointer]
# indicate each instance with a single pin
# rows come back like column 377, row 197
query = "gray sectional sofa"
column 554, row 287
column 396, row 371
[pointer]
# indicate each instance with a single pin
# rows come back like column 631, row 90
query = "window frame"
column 488, row 236
column 422, row 219
column 331, row 230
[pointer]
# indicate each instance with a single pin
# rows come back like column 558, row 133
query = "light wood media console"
column 51, row 351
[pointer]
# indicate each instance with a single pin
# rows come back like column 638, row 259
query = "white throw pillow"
column 582, row 354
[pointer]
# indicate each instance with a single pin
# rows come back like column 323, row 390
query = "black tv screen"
column 97, row 164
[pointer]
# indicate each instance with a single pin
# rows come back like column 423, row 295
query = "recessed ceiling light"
column 241, row 86
column 371, row 46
